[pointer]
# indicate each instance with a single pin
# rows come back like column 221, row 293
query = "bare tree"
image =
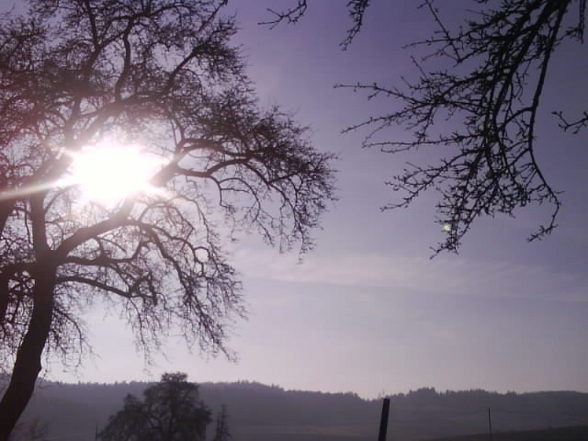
column 74, row 72
column 493, row 72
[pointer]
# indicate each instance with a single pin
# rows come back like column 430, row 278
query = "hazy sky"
column 367, row 311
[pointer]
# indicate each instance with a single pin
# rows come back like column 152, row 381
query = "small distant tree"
column 221, row 432
column 170, row 411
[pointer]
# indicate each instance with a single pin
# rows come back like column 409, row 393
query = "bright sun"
column 109, row 172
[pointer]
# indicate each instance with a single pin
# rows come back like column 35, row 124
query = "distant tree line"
column 265, row 413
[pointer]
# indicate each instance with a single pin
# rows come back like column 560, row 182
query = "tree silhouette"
column 75, row 72
column 494, row 68
column 169, row 411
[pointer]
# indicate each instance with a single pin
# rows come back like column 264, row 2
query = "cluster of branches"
column 75, row 71
column 490, row 91
column 293, row 14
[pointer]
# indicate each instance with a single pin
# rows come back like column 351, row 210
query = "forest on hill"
column 74, row 412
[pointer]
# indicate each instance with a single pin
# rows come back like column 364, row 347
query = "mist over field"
column 73, row 412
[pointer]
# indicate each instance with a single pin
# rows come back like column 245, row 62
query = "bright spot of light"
column 447, row 228
column 110, row 172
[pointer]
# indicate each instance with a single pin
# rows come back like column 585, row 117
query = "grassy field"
column 575, row 433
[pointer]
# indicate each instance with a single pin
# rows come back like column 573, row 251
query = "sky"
column 368, row 311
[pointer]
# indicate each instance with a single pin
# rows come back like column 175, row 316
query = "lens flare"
column 110, row 172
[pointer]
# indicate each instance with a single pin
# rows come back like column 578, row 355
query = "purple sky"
column 367, row 311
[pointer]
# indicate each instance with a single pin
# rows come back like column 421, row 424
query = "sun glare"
column 110, row 172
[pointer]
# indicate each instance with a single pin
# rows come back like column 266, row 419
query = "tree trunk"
column 6, row 208
column 28, row 357
column 3, row 298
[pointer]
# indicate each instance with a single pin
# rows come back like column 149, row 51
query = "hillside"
column 575, row 433
column 270, row 413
